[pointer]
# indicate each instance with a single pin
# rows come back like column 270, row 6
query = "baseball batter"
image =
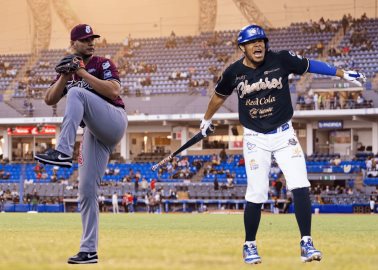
column 260, row 79
column 92, row 87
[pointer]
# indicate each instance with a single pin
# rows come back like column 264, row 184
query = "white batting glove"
column 354, row 77
column 205, row 124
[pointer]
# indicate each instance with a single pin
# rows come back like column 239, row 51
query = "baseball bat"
column 195, row 139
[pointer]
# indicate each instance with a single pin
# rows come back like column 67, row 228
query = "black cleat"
column 54, row 157
column 83, row 258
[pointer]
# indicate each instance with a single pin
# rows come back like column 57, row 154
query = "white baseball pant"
column 258, row 149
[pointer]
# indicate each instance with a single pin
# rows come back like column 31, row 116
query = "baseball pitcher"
column 92, row 86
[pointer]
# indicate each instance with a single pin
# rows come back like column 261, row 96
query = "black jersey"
column 264, row 95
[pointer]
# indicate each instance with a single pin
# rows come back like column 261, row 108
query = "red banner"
column 38, row 130
column 237, row 144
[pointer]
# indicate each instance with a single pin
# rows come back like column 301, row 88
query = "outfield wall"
column 189, row 206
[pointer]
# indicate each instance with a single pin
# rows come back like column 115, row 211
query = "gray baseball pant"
column 105, row 126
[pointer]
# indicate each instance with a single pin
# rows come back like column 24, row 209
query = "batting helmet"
column 251, row 32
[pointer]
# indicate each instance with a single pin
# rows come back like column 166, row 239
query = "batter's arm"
column 323, row 68
column 108, row 88
column 55, row 91
column 215, row 103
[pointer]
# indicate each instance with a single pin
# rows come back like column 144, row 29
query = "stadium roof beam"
column 207, row 15
column 42, row 24
column 252, row 13
column 66, row 13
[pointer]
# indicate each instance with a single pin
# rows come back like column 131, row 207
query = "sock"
column 249, row 243
column 306, row 238
column 252, row 215
column 303, row 212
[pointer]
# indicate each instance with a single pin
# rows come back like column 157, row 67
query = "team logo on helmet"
column 253, row 31
column 88, row 29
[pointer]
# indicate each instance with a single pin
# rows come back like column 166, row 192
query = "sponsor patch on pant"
column 253, row 164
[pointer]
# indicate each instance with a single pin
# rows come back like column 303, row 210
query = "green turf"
column 186, row 241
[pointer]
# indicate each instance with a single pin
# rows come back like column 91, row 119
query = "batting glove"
column 205, row 125
column 354, row 77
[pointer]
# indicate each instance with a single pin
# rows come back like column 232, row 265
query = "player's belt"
column 279, row 129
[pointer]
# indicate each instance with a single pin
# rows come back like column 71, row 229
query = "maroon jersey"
column 101, row 68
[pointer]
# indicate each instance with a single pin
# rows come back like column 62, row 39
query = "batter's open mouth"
column 258, row 53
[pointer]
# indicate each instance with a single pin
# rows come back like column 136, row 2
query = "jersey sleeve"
column 293, row 63
column 109, row 71
column 224, row 85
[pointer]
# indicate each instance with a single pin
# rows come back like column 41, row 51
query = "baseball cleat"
column 83, row 258
column 54, row 157
column 308, row 252
column 250, row 254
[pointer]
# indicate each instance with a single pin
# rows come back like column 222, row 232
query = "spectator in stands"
column 31, row 109
column 135, row 202
column 206, row 51
column 35, row 201
column 216, row 183
column 278, row 187
column 124, row 202
column 171, row 41
column 151, row 203
column 136, row 184
column 4, row 175
column 172, row 194
column 336, row 100
column 147, row 202
column 350, row 101
column 214, row 40
column 127, row 42
column 144, row 184
column 315, row 99
column 223, row 155
column 115, row 203
column 241, row 162
column 320, row 47
column 146, row 81
column 345, row 50
column 138, row 174
column 344, row 24
column 116, row 171
column 188, row 40
column 2, row 201
column 309, row 102
column 130, row 202
column 336, row 161
column 101, row 202
column 197, row 163
column 215, row 160
column 230, row 180
column 131, row 175
column 360, row 100
column 372, row 204
column 153, row 184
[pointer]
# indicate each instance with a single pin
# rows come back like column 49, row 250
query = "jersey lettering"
column 263, row 92
column 244, row 88
column 260, row 101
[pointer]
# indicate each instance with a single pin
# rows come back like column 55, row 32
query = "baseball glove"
column 69, row 64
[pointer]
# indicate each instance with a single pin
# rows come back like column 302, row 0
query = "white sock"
column 306, row 238
column 249, row 243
